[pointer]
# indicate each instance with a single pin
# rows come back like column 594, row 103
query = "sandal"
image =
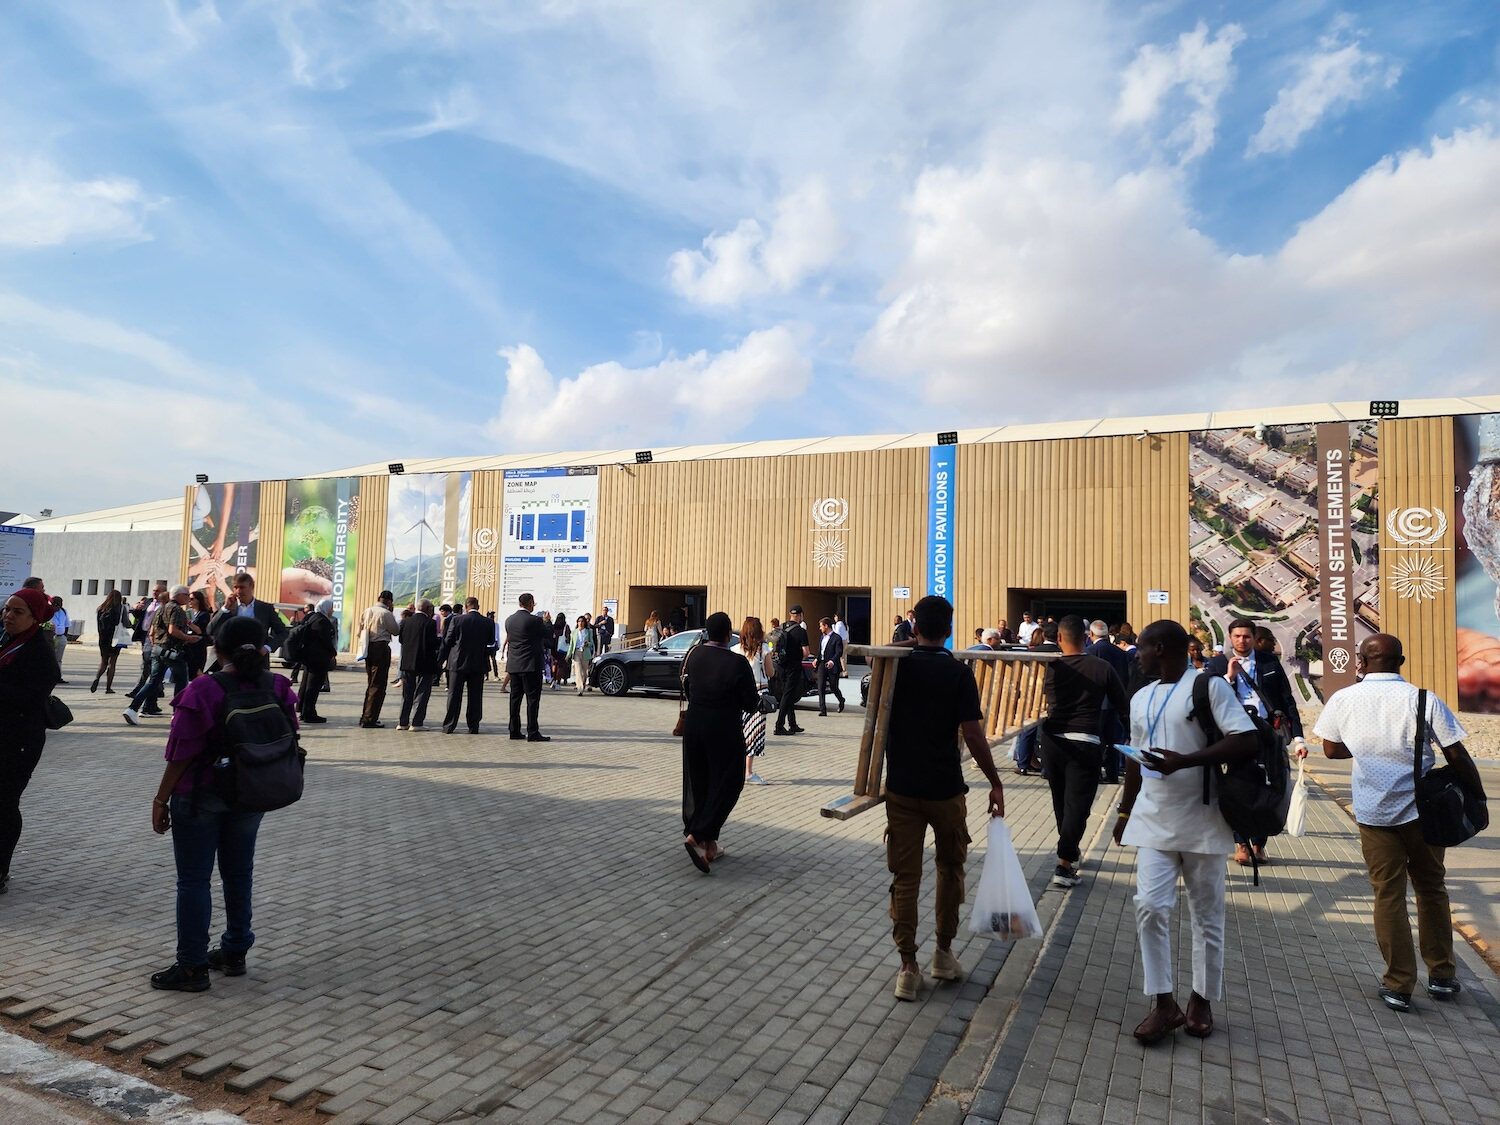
column 696, row 854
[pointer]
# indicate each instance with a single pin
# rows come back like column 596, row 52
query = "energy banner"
column 321, row 546
column 1283, row 530
column 549, row 542
column 223, row 532
column 427, row 537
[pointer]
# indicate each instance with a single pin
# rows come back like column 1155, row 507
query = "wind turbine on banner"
column 420, row 526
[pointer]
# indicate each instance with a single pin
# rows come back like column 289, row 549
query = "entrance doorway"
column 850, row 603
column 1091, row 605
column 688, row 602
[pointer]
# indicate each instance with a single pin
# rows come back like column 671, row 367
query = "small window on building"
column 109, row 585
column 125, row 587
column 143, row 585
column 93, row 585
column 163, row 582
column 78, row 585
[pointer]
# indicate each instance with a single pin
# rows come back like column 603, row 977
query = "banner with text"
column 321, row 546
column 16, row 546
column 223, row 532
column 942, row 492
column 549, row 539
column 1477, row 473
column 1265, row 545
column 427, row 537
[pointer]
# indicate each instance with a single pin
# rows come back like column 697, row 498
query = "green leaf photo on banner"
column 321, row 546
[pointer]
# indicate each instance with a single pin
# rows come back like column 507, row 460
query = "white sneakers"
column 945, row 966
column 907, row 983
column 131, row 717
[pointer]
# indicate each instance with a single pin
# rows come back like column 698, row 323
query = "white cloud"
column 804, row 237
column 696, row 398
column 40, row 205
column 1339, row 75
column 1198, row 66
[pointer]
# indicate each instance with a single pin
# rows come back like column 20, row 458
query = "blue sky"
column 260, row 239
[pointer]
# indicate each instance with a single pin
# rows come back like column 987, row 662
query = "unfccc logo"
column 1416, row 527
column 484, row 539
column 830, row 512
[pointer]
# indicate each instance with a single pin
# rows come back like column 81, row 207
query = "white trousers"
column 1156, row 875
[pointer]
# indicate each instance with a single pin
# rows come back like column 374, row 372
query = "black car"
column 659, row 668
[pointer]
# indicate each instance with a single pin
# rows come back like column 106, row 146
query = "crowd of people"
column 1101, row 688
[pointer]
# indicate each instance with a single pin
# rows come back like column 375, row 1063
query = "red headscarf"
column 41, row 610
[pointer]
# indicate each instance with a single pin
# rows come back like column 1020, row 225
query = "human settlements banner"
column 223, row 532
column 1477, row 470
column 549, row 539
column 1283, row 530
column 427, row 537
column 320, row 547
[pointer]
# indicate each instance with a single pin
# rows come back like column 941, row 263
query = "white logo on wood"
column 1338, row 659
column 830, row 512
column 1416, row 527
column 485, row 539
column 1417, row 578
column 830, row 534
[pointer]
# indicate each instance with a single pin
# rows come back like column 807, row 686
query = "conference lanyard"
column 1152, row 723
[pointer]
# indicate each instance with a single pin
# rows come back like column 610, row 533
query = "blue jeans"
column 144, row 697
column 202, row 831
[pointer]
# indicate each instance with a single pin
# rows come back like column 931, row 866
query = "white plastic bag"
column 1003, row 908
column 1296, row 817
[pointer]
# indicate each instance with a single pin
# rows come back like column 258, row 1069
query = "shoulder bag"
column 58, row 713
column 1448, row 812
column 681, row 723
column 124, row 635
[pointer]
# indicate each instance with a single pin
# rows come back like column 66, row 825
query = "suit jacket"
column 527, row 641
column 419, row 645
column 832, row 649
column 322, row 642
column 1125, row 664
column 264, row 612
column 466, row 644
column 1272, row 684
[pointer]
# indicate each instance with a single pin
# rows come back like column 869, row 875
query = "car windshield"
column 681, row 642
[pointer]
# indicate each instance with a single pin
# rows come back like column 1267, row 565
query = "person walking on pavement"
column 789, row 652
column 935, row 701
column 377, row 627
column 419, row 665
column 581, row 652
column 526, row 646
column 719, row 688
column 319, row 647
column 757, row 653
column 830, row 666
column 1375, row 723
column 61, row 623
column 1076, row 686
column 1176, row 833
column 112, row 614
column 171, row 633
column 1112, row 726
column 466, row 653
column 28, row 673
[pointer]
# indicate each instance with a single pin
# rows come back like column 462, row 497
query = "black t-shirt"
column 793, row 641
column 934, row 693
column 1076, row 688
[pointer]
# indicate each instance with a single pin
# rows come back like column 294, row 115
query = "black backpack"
column 254, row 762
column 1255, row 793
column 295, row 646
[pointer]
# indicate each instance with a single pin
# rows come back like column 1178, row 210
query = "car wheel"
column 612, row 679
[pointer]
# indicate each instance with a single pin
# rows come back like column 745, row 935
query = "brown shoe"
column 1260, row 855
column 1242, row 854
column 1159, row 1024
column 1199, row 1017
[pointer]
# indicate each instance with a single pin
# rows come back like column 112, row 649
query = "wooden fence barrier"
column 1010, row 695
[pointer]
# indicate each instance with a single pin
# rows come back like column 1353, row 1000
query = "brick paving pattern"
column 456, row 927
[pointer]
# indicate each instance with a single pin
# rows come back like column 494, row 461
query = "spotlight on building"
column 396, row 468
column 1260, row 431
column 1143, row 435
column 201, row 478
column 948, row 437
column 45, row 513
column 643, row 456
column 1384, row 408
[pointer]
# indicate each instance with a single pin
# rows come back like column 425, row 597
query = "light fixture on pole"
column 201, row 478
column 396, row 468
column 948, row 437
column 1384, row 408
column 643, row 457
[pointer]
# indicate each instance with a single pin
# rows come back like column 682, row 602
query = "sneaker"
column 178, row 979
column 1443, row 988
column 907, row 983
column 230, row 964
column 755, row 779
column 1395, row 1001
column 1064, row 876
column 131, row 717
column 944, row 965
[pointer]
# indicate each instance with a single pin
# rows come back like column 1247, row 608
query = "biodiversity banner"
column 550, row 538
column 427, row 537
column 321, row 546
column 1477, row 470
column 223, row 532
column 1283, row 530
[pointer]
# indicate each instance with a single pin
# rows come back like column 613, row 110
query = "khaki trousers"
column 1391, row 854
column 907, row 820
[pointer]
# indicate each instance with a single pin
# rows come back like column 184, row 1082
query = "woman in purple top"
column 203, row 827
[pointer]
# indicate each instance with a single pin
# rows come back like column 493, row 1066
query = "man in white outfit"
column 1163, row 816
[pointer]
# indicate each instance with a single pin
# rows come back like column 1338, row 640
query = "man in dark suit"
column 419, row 665
column 466, row 655
column 1114, row 727
column 527, row 640
column 245, row 604
column 830, row 665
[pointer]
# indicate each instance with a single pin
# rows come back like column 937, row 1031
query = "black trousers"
column 16, row 767
column 416, row 690
column 791, row 691
column 307, row 695
column 529, row 686
column 377, row 671
column 828, row 680
column 459, row 685
column 713, row 769
column 1073, row 774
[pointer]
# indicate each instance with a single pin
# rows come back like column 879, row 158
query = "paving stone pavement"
column 458, row 928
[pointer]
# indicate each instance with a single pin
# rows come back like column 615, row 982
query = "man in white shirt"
column 60, row 626
column 1028, row 626
column 1374, row 722
column 377, row 626
column 843, row 631
column 1175, row 834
